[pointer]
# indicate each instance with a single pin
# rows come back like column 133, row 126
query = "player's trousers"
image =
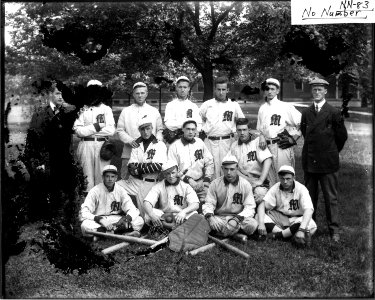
column 280, row 157
column 328, row 184
column 124, row 168
column 88, row 154
column 159, row 213
column 280, row 225
column 229, row 228
column 218, row 149
column 86, row 225
column 138, row 188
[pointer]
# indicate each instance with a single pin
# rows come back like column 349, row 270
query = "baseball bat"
column 114, row 248
column 203, row 248
column 229, row 247
column 130, row 239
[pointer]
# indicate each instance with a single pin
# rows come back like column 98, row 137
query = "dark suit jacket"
column 325, row 135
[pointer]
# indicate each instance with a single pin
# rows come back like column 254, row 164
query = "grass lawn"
column 275, row 269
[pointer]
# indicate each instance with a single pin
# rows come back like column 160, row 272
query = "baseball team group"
column 207, row 160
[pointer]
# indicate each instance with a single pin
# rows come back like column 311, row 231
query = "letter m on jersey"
column 151, row 153
column 228, row 116
column 178, row 200
column 275, row 120
column 237, row 198
column 252, row 156
column 198, row 154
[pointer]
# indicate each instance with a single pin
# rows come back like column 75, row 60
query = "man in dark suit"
column 325, row 134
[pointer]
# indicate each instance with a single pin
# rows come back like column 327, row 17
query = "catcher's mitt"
column 170, row 136
column 286, row 140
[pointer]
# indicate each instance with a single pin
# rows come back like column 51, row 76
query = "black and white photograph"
column 203, row 149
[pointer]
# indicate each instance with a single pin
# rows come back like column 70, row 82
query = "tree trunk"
column 208, row 83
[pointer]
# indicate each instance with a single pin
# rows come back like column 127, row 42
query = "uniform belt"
column 98, row 139
column 273, row 141
column 149, row 180
column 215, row 138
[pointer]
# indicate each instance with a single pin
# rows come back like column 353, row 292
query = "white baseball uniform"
column 178, row 111
column 149, row 162
column 127, row 129
column 219, row 124
column 194, row 161
column 273, row 117
column 171, row 198
column 88, row 151
column 110, row 205
column 292, row 204
column 225, row 200
column 250, row 162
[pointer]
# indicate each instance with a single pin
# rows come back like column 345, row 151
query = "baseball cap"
column 169, row 164
column 286, row 169
column 145, row 121
column 94, row 82
column 139, row 84
column 229, row 159
column 109, row 168
column 318, row 81
column 189, row 121
column 273, row 81
column 182, row 78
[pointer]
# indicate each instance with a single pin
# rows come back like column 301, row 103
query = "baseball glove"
column 170, row 136
column 302, row 242
column 107, row 151
column 286, row 140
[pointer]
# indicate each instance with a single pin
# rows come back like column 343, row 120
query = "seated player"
column 171, row 196
column 289, row 208
column 108, row 207
column 230, row 205
column 253, row 165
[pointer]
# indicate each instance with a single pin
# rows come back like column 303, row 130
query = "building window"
column 298, row 85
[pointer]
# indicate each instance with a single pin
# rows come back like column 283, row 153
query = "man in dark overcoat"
column 325, row 134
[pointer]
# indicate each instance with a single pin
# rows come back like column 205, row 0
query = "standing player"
column 325, row 134
column 253, row 165
column 230, row 204
column 94, row 125
column 108, row 207
column 127, row 126
column 145, row 163
column 194, row 160
column 171, row 195
column 289, row 208
column 279, row 123
column 219, row 117
column 180, row 109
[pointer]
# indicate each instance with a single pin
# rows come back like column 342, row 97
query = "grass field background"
column 275, row 268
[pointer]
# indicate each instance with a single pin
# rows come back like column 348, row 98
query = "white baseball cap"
column 286, row 169
column 94, row 82
column 109, row 168
column 229, row 159
column 169, row 164
column 273, row 81
column 139, row 84
column 146, row 120
column 189, row 120
column 182, row 78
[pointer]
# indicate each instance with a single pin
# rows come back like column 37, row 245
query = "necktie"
column 316, row 108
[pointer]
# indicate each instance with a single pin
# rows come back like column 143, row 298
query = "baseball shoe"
column 133, row 233
column 277, row 236
column 335, row 237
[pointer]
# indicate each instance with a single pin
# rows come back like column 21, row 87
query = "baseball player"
column 144, row 164
column 279, row 124
column 171, row 195
column 108, row 207
column 230, row 204
column 180, row 109
column 127, row 126
column 195, row 162
column 94, row 125
column 289, row 208
column 253, row 165
column 219, row 117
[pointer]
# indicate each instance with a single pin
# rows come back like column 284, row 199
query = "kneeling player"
column 289, row 208
column 230, row 204
column 108, row 207
column 171, row 196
